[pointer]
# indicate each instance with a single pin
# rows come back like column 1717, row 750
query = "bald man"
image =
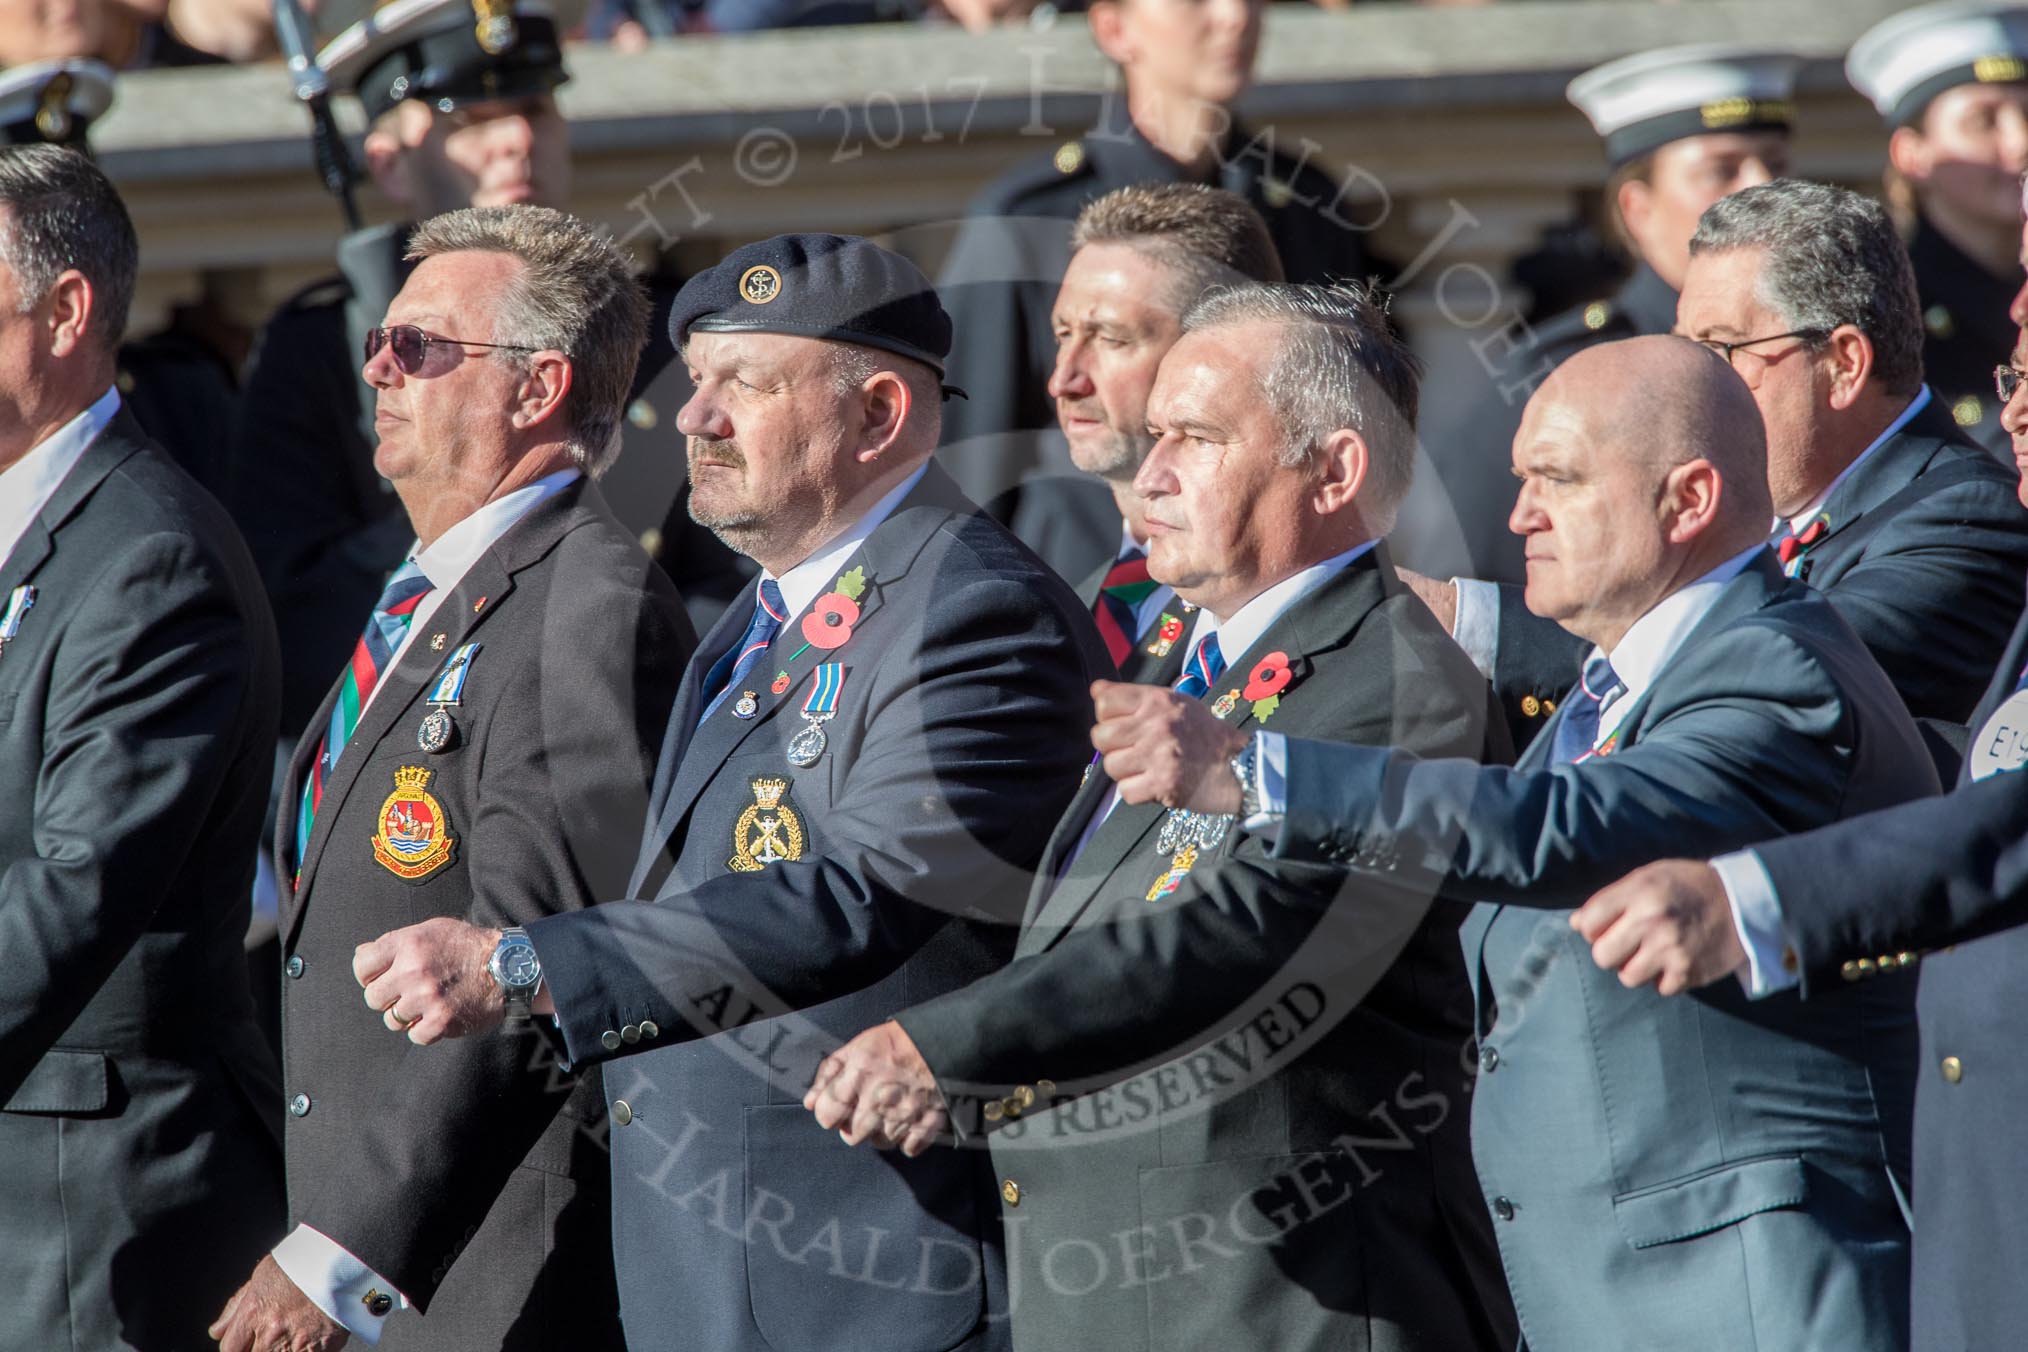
column 1663, row 1174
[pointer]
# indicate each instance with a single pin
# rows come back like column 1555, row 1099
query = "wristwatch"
column 1249, row 786
column 516, row 970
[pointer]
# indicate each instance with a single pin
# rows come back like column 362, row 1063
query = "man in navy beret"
column 861, row 768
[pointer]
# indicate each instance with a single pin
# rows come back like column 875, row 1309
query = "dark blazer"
column 1866, row 897
column 786, row 907
column 1403, row 1258
column 1924, row 557
column 413, row 1159
column 1685, row 1173
column 139, row 1106
column 1005, row 265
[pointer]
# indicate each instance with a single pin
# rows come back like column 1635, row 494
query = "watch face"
column 517, row 965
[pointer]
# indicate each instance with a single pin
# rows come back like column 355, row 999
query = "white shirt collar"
column 1802, row 519
column 1653, row 639
column 453, row 553
column 27, row 485
column 812, row 577
column 1243, row 628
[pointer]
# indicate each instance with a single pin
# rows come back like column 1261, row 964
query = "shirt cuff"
column 336, row 1283
column 1477, row 626
column 1757, row 918
column 1270, row 785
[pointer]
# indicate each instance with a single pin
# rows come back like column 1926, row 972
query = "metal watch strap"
column 1249, row 785
column 519, row 999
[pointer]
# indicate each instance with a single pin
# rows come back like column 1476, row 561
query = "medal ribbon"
column 18, row 605
column 451, row 682
column 823, row 700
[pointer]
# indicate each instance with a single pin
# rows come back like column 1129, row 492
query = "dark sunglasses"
column 411, row 346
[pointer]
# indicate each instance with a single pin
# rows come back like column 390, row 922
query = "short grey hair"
column 1339, row 365
column 853, row 364
column 1831, row 258
column 574, row 293
column 61, row 212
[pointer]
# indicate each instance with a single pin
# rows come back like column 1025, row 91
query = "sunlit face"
column 1590, row 517
column 1686, row 177
column 2018, row 309
column 485, row 154
column 2014, row 416
column 446, row 426
column 50, row 30
column 1719, row 305
column 1114, row 319
column 1968, row 152
column 1201, row 50
column 767, row 436
column 1223, row 511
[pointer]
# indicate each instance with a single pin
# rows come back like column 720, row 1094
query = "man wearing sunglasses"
column 1881, row 503
column 485, row 754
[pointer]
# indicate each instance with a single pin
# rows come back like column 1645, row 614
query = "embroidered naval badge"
column 414, row 839
column 1173, row 876
column 768, row 832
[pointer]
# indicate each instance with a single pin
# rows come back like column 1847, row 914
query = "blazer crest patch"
column 414, row 839
column 768, row 832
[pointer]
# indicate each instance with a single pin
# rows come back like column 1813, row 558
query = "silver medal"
column 436, row 731
column 1181, row 828
column 806, row 746
column 746, row 706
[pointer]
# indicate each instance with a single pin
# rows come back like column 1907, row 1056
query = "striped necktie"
column 769, row 614
column 1206, row 665
column 1577, row 733
column 1126, row 585
column 370, row 659
column 1791, row 546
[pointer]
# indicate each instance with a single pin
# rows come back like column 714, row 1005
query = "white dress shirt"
column 1235, row 636
column 813, row 577
column 334, row 1280
column 27, row 485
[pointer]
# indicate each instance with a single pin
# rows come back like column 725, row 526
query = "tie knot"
column 1599, row 680
column 771, row 601
column 403, row 590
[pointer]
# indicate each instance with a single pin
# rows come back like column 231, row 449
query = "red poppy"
column 1172, row 628
column 781, row 682
column 830, row 623
column 1270, row 677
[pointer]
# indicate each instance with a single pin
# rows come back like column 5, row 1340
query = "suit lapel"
column 121, row 439
column 1897, row 463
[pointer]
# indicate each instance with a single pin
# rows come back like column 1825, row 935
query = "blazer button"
column 631, row 1034
column 610, row 1040
column 650, row 1029
column 1849, row 970
column 623, row 1112
column 1953, row 1070
column 1010, row 1192
column 1489, row 1059
column 1530, row 706
column 1503, row 1208
column 299, row 1106
column 294, row 966
column 994, row 1110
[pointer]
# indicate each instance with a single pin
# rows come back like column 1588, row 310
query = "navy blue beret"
column 839, row 287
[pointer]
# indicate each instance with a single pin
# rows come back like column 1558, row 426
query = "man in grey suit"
column 1662, row 1174
column 1272, row 524
column 139, row 1108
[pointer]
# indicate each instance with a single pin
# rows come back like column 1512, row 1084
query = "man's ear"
column 1691, row 495
column 539, row 399
column 1851, row 354
column 1344, row 466
column 73, row 313
column 886, row 400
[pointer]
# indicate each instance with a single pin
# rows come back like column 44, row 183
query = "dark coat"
column 1397, row 1257
column 448, row 1170
column 1966, row 333
column 139, row 1105
column 784, row 908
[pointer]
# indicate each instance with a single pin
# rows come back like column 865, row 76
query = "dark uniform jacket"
column 1966, row 334
column 326, row 529
column 1923, row 556
column 1168, row 1174
column 1474, row 456
column 784, row 907
column 449, row 1170
column 139, row 1108
column 1700, row 1172
column 1864, row 899
column 1001, row 279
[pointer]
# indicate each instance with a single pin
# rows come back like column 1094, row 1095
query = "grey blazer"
column 1686, row 1173
column 140, row 1151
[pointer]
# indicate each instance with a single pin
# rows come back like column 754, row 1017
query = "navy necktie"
column 769, row 614
column 1206, row 665
column 1578, row 729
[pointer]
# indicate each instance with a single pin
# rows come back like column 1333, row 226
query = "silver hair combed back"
column 1339, row 365
column 62, row 213
column 574, row 294
column 1832, row 258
